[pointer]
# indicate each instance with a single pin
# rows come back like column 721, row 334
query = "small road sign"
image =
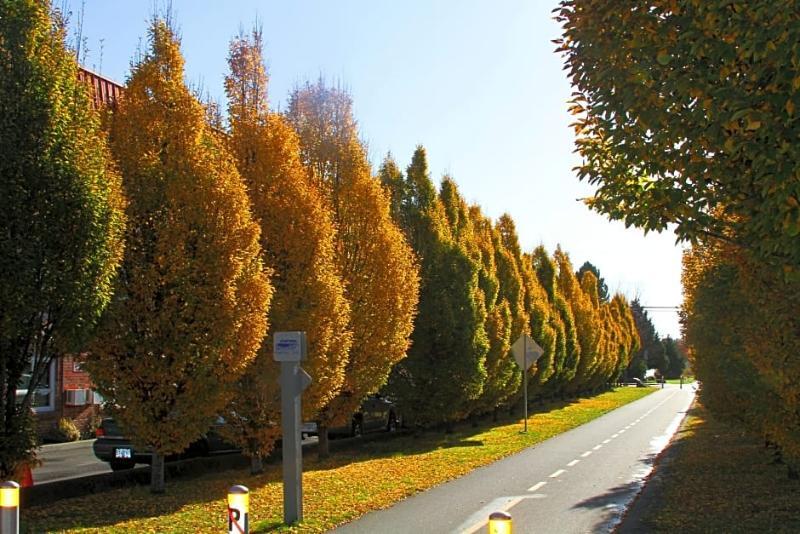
column 526, row 351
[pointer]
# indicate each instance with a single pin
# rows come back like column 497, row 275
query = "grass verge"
column 367, row 476
column 717, row 478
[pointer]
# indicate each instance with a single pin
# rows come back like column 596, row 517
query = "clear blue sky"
column 477, row 83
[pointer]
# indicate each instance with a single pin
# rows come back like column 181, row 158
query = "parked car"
column 114, row 447
column 377, row 414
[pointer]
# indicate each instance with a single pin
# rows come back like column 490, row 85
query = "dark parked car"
column 377, row 414
column 114, row 447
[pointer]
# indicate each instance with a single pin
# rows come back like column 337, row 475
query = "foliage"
column 61, row 213
column 377, row 266
column 189, row 311
column 383, row 472
column 676, row 355
column 444, row 371
column 67, row 430
column 297, row 240
column 688, row 113
column 740, row 323
column 652, row 354
column 602, row 287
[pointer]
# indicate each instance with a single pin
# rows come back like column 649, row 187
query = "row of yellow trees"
column 741, row 320
column 258, row 222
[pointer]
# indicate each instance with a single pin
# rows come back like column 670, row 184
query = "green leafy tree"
column 602, row 287
column 687, row 116
column 444, row 371
column 297, row 239
column 651, row 354
column 190, row 307
column 676, row 356
column 61, row 215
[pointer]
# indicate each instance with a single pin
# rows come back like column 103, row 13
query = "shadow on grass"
column 209, row 490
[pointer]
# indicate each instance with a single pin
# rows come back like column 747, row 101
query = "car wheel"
column 121, row 466
column 358, row 429
column 392, row 426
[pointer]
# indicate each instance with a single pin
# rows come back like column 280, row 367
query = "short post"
column 9, row 508
column 238, row 510
column 500, row 523
column 681, row 382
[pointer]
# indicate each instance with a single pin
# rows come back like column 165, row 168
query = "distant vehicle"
column 376, row 414
column 639, row 383
column 114, row 447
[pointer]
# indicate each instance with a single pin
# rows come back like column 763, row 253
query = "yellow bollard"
column 499, row 523
column 9, row 508
column 238, row 510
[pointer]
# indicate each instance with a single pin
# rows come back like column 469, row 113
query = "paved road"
column 61, row 461
column 580, row 481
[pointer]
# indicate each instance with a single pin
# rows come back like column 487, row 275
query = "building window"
column 43, row 398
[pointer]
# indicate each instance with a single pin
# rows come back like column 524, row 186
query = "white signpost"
column 290, row 349
column 526, row 351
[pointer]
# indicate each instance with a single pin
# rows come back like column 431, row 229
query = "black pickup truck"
column 114, row 447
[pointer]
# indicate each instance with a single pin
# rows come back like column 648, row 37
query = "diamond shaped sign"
column 526, row 351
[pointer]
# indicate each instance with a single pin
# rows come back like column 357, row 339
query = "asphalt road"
column 61, row 461
column 579, row 481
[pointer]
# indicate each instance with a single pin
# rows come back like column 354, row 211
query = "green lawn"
column 719, row 479
column 363, row 477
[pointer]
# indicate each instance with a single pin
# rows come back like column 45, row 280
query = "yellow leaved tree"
column 378, row 268
column 297, row 238
column 190, row 307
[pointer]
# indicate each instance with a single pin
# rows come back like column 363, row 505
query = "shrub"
column 67, row 430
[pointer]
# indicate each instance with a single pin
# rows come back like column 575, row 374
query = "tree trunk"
column 256, row 465
column 323, row 446
column 157, row 474
column 494, row 414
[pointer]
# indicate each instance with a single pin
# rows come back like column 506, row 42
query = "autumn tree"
column 297, row 240
column 530, row 300
column 688, row 110
column 551, row 363
column 189, row 311
column 444, row 371
column 375, row 262
column 505, row 317
column 61, row 215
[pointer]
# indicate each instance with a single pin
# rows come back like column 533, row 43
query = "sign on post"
column 526, row 351
column 289, row 348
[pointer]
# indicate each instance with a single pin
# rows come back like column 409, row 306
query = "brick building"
column 67, row 391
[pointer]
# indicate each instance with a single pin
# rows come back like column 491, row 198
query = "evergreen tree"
column 297, row 239
column 61, row 216
column 189, row 311
column 651, row 354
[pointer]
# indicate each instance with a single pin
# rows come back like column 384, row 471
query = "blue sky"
column 476, row 83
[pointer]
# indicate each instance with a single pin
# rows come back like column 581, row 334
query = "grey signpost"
column 526, row 351
column 289, row 349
